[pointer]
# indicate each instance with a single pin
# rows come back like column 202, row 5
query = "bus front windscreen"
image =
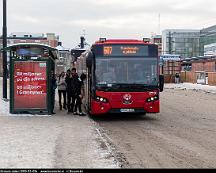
column 128, row 70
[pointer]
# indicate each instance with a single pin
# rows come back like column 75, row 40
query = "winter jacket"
column 53, row 84
column 61, row 84
column 73, row 85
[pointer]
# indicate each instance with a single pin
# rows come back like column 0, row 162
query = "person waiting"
column 52, row 94
column 62, row 90
column 72, row 80
column 177, row 78
column 80, row 93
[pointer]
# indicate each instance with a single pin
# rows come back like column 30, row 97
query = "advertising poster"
column 30, row 87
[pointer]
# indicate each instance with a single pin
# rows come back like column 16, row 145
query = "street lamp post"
column 4, row 51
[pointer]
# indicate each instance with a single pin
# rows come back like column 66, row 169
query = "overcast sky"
column 107, row 18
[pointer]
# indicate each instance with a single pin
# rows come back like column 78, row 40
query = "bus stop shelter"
column 31, row 68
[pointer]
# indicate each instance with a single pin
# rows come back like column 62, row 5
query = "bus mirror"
column 89, row 59
column 161, row 82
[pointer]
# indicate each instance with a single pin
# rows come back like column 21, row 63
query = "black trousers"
column 60, row 93
column 71, row 102
column 52, row 101
column 78, row 104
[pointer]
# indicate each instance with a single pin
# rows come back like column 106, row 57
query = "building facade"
column 157, row 39
column 65, row 59
column 185, row 43
column 197, row 49
column 22, row 37
column 208, row 40
column 210, row 49
column 202, row 70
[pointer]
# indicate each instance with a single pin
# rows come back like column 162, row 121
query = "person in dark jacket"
column 53, row 88
column 80, row 95
column 72, row 81
column 68, row 73
column 177, row 78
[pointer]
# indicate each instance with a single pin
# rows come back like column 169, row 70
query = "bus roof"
column 18, row 45
column 120, row 41
column 30, row 44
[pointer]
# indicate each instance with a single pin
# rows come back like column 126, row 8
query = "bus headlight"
column 101, row 99
column 151, row 99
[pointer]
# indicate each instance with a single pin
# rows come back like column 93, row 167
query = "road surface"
column 183, row 135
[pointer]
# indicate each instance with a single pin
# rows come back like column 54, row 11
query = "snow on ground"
column 190, row 86
column 61, row 140
column 4, row 109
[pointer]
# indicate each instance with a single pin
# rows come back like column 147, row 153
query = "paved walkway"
column 57, row 141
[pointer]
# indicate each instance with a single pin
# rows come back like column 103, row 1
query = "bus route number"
column 107, row 50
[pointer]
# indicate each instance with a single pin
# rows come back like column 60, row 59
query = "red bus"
column 122, row 77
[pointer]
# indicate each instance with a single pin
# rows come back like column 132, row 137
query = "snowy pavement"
column 190, row 86
column 4, row 109
column 4, row 106
column 58, row 141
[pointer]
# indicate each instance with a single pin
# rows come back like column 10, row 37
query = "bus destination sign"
column 127, row 50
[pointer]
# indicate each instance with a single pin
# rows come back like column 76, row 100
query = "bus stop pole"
column 4, row 51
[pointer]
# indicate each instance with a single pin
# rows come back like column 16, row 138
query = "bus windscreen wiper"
column 105, row 87
column 126, row 87
column 133, row 85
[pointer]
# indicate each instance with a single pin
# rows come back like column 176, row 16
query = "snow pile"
column 190, row 86
column 4, row 110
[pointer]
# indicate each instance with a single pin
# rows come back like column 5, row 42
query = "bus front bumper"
column 104, row 108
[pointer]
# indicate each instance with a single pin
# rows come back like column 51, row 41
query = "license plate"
column 127, row 110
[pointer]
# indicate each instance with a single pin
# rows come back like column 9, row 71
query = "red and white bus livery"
column 122, row 77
